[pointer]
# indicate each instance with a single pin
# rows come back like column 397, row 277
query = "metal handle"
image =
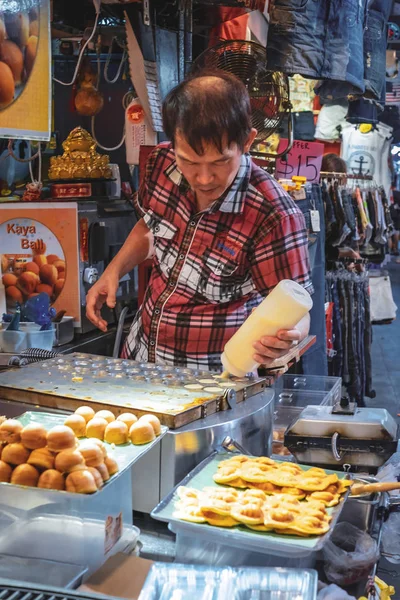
column 230, row 445
column 335, row 451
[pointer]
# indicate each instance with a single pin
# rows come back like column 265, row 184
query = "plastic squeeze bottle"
column 283, row 308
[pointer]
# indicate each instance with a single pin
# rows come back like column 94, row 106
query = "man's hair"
column 209, row 107
column 332, row 163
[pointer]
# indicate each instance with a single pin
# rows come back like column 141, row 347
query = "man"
column 221, row 231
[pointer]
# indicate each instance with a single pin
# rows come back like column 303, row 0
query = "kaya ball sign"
column 34, row 261
column 19, row 37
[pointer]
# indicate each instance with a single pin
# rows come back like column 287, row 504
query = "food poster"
column 39, row 253
column 25, row 70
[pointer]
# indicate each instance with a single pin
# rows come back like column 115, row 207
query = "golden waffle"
column 249, row 514
column 192, row 514
column 327, row 498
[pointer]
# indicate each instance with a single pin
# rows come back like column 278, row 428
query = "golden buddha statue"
column 80, row 159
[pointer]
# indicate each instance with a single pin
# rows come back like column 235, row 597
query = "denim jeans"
column 315, row 361
column 375, row 40
column 321, row 39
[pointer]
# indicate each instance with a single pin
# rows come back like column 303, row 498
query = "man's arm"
column 138, row 246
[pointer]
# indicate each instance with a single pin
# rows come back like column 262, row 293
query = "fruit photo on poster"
column 19, row 38
column 32, row 262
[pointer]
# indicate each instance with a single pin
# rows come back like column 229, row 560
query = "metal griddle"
column 125, row 386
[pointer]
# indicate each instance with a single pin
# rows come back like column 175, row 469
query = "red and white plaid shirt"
column 212, row 267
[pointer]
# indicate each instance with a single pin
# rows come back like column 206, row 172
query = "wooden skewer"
column 370, row 488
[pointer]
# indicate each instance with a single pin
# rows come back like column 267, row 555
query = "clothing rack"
column 325, row 174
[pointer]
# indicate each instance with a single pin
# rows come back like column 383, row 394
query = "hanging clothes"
column 368, row 153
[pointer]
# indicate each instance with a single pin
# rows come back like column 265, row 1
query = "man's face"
column 211, row 174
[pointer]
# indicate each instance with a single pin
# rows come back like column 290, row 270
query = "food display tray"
column 125, row 454
column 126, row 386
column 240, row 536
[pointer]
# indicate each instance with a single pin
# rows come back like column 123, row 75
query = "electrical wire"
column 106, row 66
column 78, row 64
column 39, row 180
column 21, row 160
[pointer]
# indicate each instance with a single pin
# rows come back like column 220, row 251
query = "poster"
column 304, row 160
column 25, row 70
column 39, row 253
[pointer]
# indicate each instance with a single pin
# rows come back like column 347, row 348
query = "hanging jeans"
column 315, row 361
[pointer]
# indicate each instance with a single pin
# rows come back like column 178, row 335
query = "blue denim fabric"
column 321, row 39
column 375, row 41
column 315, row 361
column 362, row 110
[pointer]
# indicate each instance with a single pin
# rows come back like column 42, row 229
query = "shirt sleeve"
column 281, row 252
column 144, row 199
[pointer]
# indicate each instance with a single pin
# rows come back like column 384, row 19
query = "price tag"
column 315, row 221
column 304, row 159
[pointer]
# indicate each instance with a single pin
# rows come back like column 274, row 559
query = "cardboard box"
column 121, row 576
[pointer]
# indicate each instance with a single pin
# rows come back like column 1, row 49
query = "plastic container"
column 29, row 336
column 44, row 572
column 283, row 308
column 168, row 582
column 72, row 528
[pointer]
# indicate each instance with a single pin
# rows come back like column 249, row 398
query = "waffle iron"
column 360, row 439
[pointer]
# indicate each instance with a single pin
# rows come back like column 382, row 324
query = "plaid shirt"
column 212, row 267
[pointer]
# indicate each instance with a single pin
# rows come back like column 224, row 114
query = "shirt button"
column 156, row 312
column 192, row 223
column 156, row 229
column 171, row 284
column 181, row 256
column 152, row 343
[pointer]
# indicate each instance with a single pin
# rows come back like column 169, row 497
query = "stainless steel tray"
column 241, row 537
column 125, row 386
column 125, row 455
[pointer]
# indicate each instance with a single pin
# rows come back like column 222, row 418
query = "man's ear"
column 250, row 139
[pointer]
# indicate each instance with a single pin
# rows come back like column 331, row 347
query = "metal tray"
column 240, row 536
column 124, row 386
column 125, row 455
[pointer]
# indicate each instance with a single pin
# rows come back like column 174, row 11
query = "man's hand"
column 270, row 348
column 102, row 292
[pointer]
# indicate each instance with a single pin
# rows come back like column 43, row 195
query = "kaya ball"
column 86, row 412
column 5, row 472
column 60, row 438
column 58, row 287
column 42, row 459
column 40, row 260
column 11, row 54
column 69, row 460
column 128, row 418
column 34, row 436
column 10, row 431
column 34, row 27
column 32, row 267
column 100, row 444
column 7, row 85
column 77, row 423
column 13, row 294
column 9, row 279
column 44, row 288
column 141, row 433
column 111, row 464
column 52, row 258
column 48, row 274
column 30, row 53
column 105, row 414
column 27, row 283
column 96, row 476
column 15, row 454
column 25, row 475
column 96, row 428
column 60, row 266
column 154, row 422
column 92, row 454
column 17, row 26
column 51, row 480
column 81, row 482
column 103, row 470
column 2, row 29
column 116, row 433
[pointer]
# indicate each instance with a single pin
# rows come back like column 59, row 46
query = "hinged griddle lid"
column 365, row 424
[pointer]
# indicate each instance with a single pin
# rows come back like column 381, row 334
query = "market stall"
column 171, row 439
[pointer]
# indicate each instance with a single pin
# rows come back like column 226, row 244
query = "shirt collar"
column 233, row 200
